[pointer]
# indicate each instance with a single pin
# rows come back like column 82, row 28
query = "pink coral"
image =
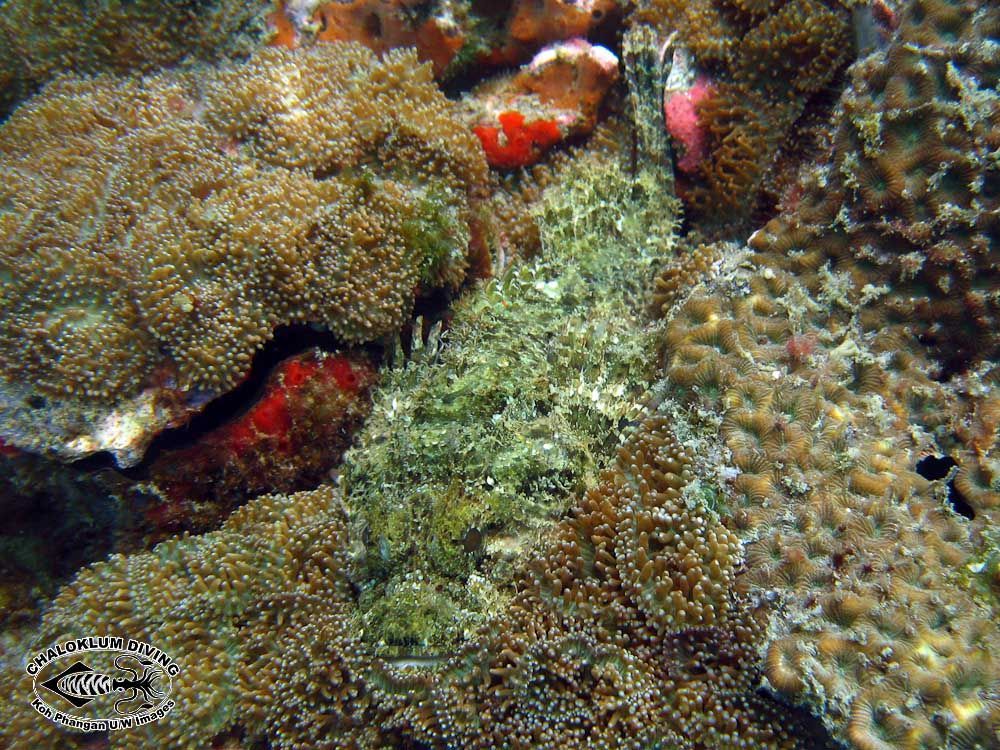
column 680, row 108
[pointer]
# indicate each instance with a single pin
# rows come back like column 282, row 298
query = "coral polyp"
column 160, row 229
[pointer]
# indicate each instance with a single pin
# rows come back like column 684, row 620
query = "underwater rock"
column 552, row 99
column 380, row 26
column 457, row 38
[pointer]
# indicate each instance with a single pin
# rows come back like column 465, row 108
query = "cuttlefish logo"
column 99, row 683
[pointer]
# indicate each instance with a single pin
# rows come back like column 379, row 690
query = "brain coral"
column 821, row 370
column 824, row 425
column 157, row 230
column 910, row 202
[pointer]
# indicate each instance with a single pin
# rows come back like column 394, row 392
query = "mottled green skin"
column 486, row 435
column 437, row 235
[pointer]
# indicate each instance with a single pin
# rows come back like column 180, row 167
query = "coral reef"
column 157, row 230
column 909, row 202
column 40, row 39
column 554, row 96
column 765, row 63
column 380, row 26
column 808, row 358
column 626, row 632
column 478, row 441
column 455, row 37
column 766, row 520
column 823, row 426
column 242, row 610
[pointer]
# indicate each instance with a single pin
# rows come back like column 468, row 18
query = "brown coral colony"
column 200, row 212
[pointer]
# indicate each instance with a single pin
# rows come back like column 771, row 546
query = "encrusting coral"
column 157, row 230
column 909, row 203
column 808, row 357
column 870, row 564
column 801, row 357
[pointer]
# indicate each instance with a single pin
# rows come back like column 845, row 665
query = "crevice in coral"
column 939, row 467
column 935, row 467
column 287, row 341
column 958, row 502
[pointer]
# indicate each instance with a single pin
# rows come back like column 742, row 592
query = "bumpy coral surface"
column 627, row 632
column 910, row 203
column 768, row 60
column 40, row 39
column 824, row 426
column 818, row 372
column 247, row 611
column 156, row 231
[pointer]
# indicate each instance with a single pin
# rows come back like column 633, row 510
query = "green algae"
column 492, row 428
